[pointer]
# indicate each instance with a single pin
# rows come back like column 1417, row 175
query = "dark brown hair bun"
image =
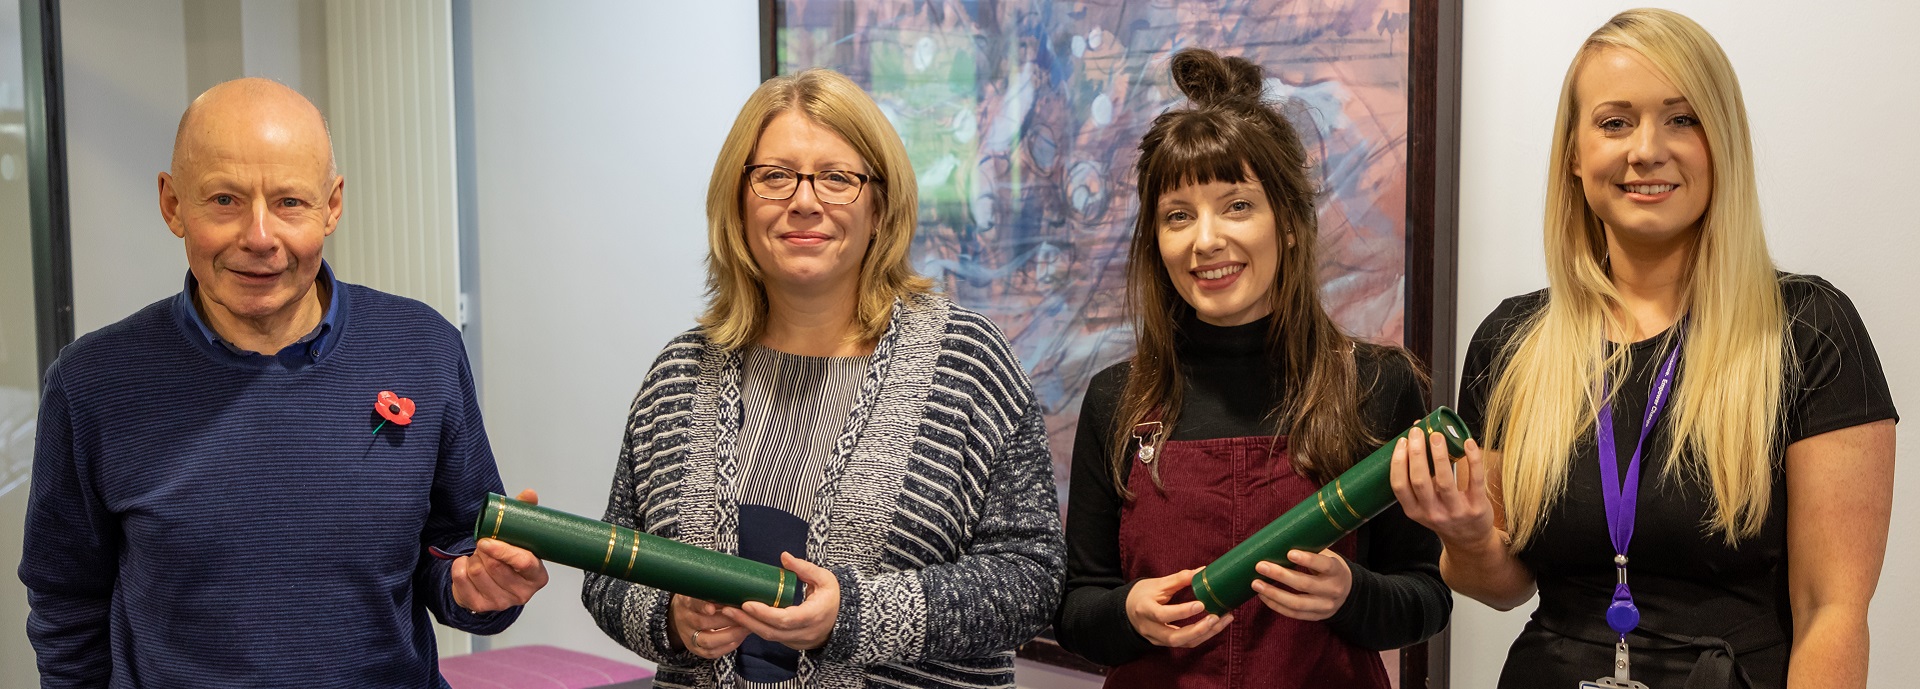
column 1209, row 79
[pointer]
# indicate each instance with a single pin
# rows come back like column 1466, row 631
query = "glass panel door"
column 19, row 360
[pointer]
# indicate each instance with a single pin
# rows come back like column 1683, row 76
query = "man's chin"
column 255, row 307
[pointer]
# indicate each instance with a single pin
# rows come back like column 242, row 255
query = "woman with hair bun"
column 1242, row 399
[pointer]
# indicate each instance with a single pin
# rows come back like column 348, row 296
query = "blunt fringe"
column 1228, row 133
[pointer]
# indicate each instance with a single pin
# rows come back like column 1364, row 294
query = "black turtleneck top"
column 1232, row 384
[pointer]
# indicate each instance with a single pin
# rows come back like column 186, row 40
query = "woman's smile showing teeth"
column 1219, row 244
column 1217, row 273
column 1648, row 191
column 1217, row 276
column 1638, row 149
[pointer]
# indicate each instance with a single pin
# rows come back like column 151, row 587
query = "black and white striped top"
column 794, row 408
column 935, row 512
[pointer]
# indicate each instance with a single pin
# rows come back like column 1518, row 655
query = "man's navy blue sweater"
column 201, row 518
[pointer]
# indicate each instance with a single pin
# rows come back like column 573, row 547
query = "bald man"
column 216, row 500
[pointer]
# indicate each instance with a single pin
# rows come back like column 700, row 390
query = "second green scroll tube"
column 641, row 558
column 1337, row 509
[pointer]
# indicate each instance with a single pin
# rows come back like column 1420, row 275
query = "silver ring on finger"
column 695, row 641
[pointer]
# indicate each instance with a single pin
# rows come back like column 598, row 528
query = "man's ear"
column 336, row 203
column 170, row 206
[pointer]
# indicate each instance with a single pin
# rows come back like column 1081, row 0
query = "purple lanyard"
column 1621, row 498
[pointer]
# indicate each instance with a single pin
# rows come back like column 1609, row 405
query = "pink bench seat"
column 539, row 667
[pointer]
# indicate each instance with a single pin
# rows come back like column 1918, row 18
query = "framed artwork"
column 1023, row 118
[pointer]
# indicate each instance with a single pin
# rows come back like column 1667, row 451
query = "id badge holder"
column 1621, row 678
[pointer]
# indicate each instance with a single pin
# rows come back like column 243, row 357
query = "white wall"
column 596, row 125
column 126, row 85
column 286, row 39
column 1828, row 91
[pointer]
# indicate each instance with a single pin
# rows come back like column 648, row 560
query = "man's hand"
column 498, row 576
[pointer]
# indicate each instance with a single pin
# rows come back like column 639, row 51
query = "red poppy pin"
column 394, row 408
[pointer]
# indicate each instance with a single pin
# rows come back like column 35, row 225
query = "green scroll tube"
column 1335, row 510
column 641, row 558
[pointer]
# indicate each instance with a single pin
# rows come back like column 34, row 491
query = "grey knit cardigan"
column 937, row 511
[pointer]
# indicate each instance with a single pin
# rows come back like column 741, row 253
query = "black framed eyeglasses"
column 777, row 183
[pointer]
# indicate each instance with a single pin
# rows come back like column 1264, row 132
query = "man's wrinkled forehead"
column 255, row 121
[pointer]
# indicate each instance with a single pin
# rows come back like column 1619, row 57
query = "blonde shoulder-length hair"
column 737, row 301
column 1726, row 405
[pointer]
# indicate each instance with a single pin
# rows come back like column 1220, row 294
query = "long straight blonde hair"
column 1726, row 403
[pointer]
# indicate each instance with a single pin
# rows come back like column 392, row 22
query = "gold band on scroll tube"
column 613, row 535
column 633, row 556
column 1322, row 495
column 1342, row 492
column 1210, row 594
column 499, row 514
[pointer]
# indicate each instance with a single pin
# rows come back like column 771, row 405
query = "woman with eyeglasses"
column 831, row 416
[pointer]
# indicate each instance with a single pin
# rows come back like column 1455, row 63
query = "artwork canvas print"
column 1022, row 119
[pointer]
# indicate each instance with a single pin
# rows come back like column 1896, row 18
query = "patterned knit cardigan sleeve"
column 633, row 615
column 974, row 563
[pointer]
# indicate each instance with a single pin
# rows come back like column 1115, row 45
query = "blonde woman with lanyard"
column 1690, row 454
